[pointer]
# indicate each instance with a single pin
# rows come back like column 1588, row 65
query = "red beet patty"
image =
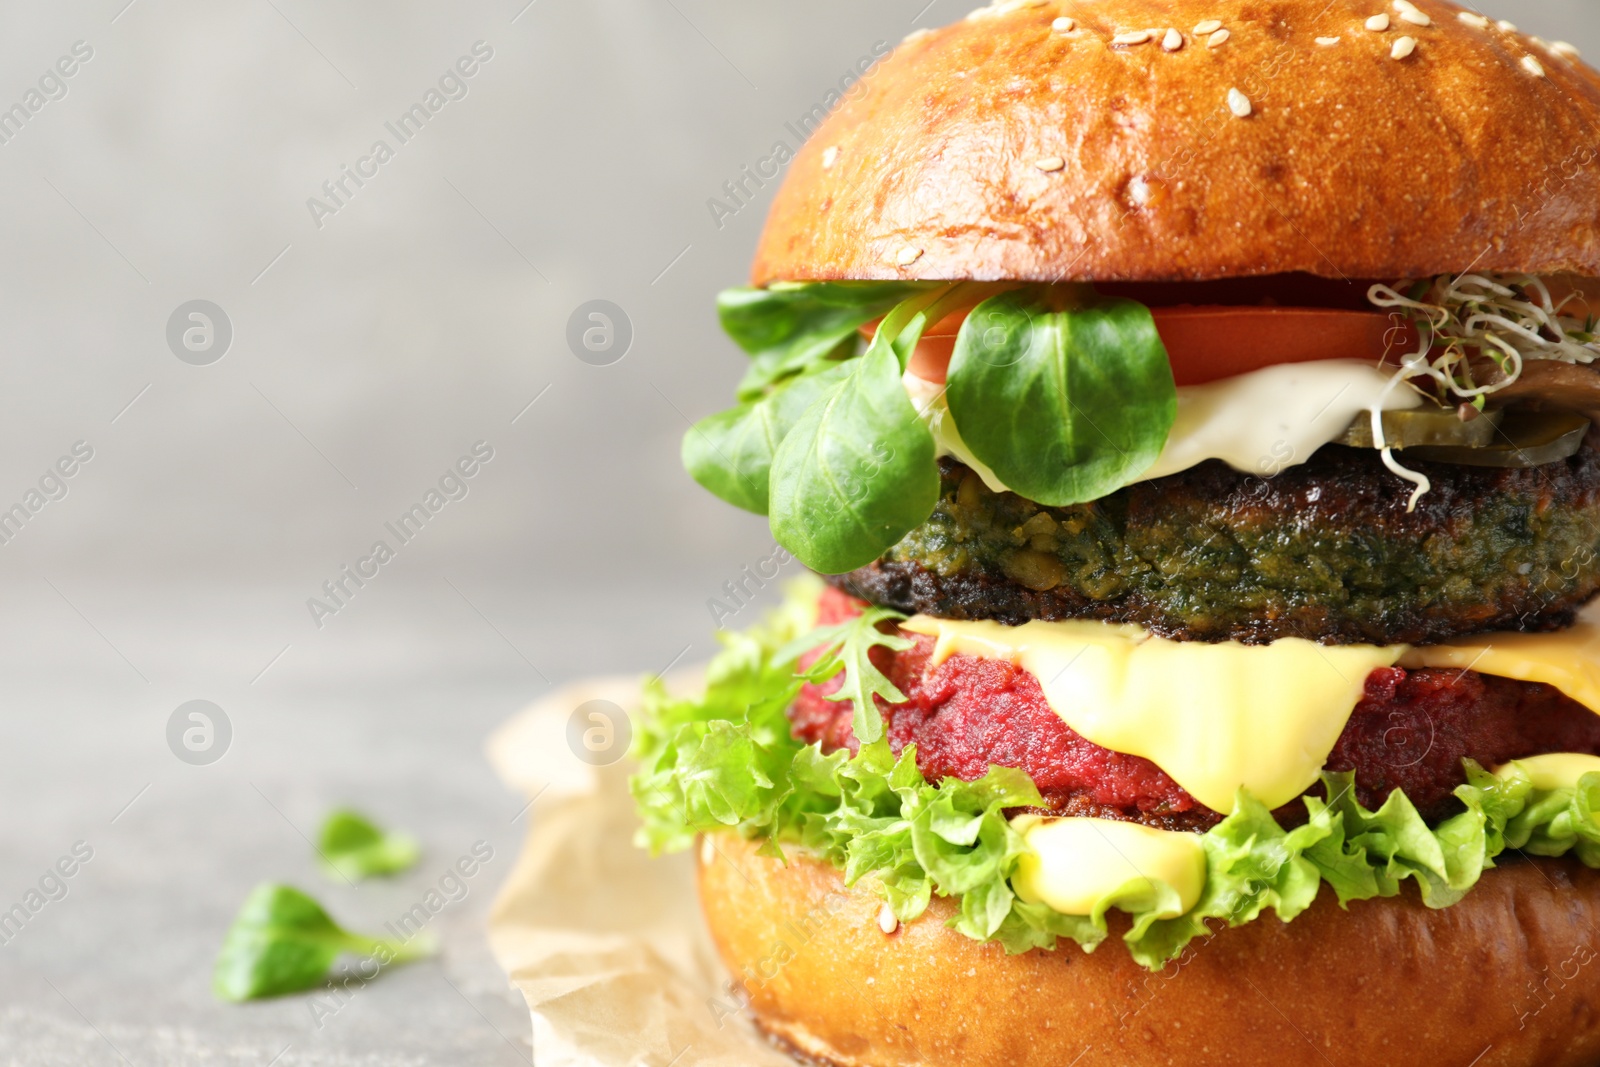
column 1410, row 732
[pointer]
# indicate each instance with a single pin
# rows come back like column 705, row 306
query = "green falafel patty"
column 1325, row 551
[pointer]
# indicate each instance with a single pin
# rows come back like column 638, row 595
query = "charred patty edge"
column 914, row 590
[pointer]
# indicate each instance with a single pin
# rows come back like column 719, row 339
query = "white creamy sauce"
column 1275, row 417
column 928, row 398
column 1261, row 422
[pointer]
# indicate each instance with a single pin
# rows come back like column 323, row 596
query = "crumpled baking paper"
column 606, row 944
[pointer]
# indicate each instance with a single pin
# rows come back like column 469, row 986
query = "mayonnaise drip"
column 1073, row 864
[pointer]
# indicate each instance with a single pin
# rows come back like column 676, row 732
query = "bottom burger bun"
column 1508, row 977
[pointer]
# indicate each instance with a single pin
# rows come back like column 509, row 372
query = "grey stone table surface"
column 117, row 970
column 376, row 332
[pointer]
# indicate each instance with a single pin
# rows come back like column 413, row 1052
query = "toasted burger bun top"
column 1004, row 148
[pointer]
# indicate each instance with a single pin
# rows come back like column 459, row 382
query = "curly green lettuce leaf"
column 728, row 762
column 1553, row 822
column 1370, row 853
column 1252, row 864
column 720, row 762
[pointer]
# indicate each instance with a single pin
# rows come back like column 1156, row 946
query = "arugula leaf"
column 845, row 647
column 1063, row 404
column 788, row 327
column 283, row 942
column 857, row 472
column 353, row 847
column 730, row 453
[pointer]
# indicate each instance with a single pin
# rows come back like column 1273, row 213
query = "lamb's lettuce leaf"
column 352, row 847
column 1065, row 396
column 282, row 941
column 787, row 328
column 1070, row 391
column 727, row 762
column 857, row 472
column 730, row 453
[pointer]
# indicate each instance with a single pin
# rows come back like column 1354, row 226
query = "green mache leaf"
column 730, row 453
column 868, row 463
column 283, row 941
column 846, row 647
column 1063, row 405
column 857, row 472
column 351, row 846
column 787, row 328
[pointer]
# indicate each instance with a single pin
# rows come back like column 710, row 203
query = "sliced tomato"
column 1206, row 344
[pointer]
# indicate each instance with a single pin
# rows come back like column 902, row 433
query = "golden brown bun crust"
column 1512, row 969
column 1352, row 164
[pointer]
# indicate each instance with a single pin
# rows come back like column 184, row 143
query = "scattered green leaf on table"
column 283, row 941
column 355, row 847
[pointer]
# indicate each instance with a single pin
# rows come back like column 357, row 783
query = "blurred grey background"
column 375, row 340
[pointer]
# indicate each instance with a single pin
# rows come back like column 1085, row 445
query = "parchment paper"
column 606, row 944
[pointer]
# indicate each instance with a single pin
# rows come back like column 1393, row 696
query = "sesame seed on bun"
column 1301, row 135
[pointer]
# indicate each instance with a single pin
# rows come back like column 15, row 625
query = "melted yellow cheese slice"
column 1072, row 864
column 1218, row 717
column 1568, row 660
column 1214, row 717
